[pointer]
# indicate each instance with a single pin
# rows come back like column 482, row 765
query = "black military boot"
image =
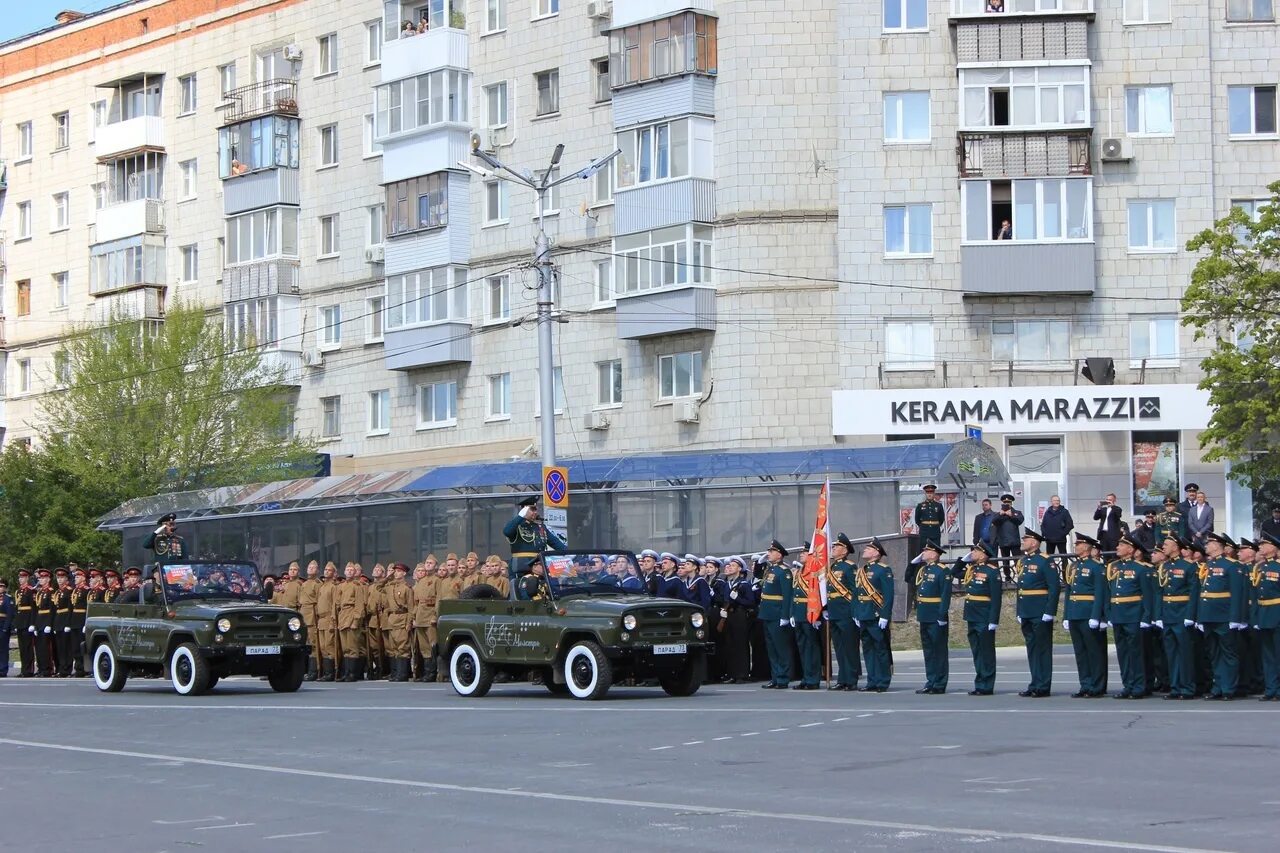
column 399, row 669
column 311, row 670
column 373, row 672
column 326, row 670
column 348, row 670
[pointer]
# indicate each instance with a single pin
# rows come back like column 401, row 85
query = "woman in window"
column 995, row 5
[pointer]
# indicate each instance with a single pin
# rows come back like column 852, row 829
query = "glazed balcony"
column 1024, row 153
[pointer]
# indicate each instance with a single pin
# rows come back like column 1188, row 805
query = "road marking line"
column 944, row 746
column 748, row 734
column 660, row 748
column 193, row 820
column 618, row 802
column 691, row 743
column 860, row 716
column 777, row 730
column 224, row 826
column 293, row 835
column 727, row 737
column 808, row 725
column 840, row 719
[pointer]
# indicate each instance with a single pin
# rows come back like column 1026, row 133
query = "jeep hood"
column 619, row 604
column 213, row 608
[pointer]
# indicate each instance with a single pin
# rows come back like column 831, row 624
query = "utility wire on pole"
column 545, row 268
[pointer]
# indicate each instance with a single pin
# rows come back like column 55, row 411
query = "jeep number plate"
column 670, row 649
column 262, row 650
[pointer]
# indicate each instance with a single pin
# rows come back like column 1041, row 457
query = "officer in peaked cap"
column 929, row 516
column 775, row 613
column 1082, row 616
column 529, row 536
column 872, row 610
column 933, row 612
column 165, row 542
column 841, row 593
column 1129, row 606
column 1038, row 592
column 983, row 589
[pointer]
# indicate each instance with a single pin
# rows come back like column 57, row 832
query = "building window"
column 26, row 141
column 97, row 118
column 498, row 305
column 1251, row 110
column 190, row 262
column 906, row 15
column 1055, row 96
column 495, row 202
column 1151, row 225
column 267, row 233
column 679, row 375
column 495, row 100
column 547, row 7
column 23, row 299
column 24, row 376
column 61, row 290
column 604, row 281
column 254, row 322
column 906, row 117
column 373, row 42
column 495, row 15
column 1146, row 11
column 418, row 204
column 1154, row 339
column 557, row 388
column 328, row 145
column 667, row 257
column 24, row 220
column 427, row 296
column 1149, row 110
column 331, row 411
column 187, row 169
column 330, row 327
column 374, row 319
column 658, row 152
column 61, row 131
column 327, row 56
column 1253, row 208
column 547, row 85
column 609, row 383
column 1250, row 11
column 908, row 230
column 600, row 75
column 1047, row 210
column 112, row 268
column 268, row 142
column 499, row 396
column 329, row 238
column 61, row 369
column 437, row 405
column 186, row 94
column 370, row 145
column 375, row 225
column 1036, row 343
column 684, row 43
column 422, row 101
column 226, row 80
column 61, row 212
column 603, row 184
column 99, row 191
column 552, row 196
column 908, row 345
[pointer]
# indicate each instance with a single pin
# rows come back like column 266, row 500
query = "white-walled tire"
column 109, row 674
column 468, row 672
column 188, row 671
column 587, row 671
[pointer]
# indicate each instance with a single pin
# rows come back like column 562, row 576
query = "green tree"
column 1234, row 301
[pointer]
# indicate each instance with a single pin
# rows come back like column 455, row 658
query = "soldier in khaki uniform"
column 373, row 625
column 289, row 590
column 352, row 601
column 398, row 606
column 449, row 586
column 308, row 593
column 326, row 622
column 424, row 623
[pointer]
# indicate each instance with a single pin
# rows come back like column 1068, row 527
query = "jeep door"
column 532, row 630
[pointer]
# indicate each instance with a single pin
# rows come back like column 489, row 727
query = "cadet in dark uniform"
column 1083, row 617
column 738, row 603
column 841, row 586
column 62, row 624
column 872, row 611
column 165, row 541
column 983, row 590
column 8, row 612
column 1128, row 611
column 79, row 613
column 43, row 624
column 528, row 538
column 1265, row 616
column 775, row 613
column 24, row 625
column 933, row 611
column 1177, row 593
column 1038, row 592
column 1220, row 609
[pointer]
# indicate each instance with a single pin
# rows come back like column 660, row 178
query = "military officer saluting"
column 1265, row 617
column 165, row 541
column 529, row 537
column 1177, row 594
column 1220, row 609
column 1082, row 617
column 871, row 613
column 983, row 590
column 929, row 516
column 1170, row 522
column 1038, row 592
column 933, row 611
column 1129, row 607
column 775, row 613
column 841, row 583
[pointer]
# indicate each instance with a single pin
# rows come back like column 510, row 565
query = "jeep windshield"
column 211, row 580
column 593, row 574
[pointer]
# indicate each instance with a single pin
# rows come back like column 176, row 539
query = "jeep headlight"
column 629, row 622
column 696, row 619
column 224, row 624
column 295, row 624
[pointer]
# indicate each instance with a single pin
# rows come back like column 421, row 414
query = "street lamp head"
column 487, row 158
column 556, row 155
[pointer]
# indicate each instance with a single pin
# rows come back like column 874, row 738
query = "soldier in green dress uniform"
column 929, row 517
column 841, row 583
column 1219, row 612
column 1038, row 592
column 933, row 612
column 528, row 537
column 983, row 589
column 1082, row 617
column 1177, row 592
column 165, row 541
column 1128, row 611
column 775, row 613
column 1265, row 613
column 1170, row 522
column 871, row 612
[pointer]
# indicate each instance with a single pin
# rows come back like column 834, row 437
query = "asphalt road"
column 378, row 766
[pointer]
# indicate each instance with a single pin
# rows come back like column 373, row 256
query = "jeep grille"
column 661, row 627
column 254, row 627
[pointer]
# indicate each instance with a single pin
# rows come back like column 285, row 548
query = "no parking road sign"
column 555, row 499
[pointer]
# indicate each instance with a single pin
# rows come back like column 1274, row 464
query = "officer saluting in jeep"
column 529, row 537
column 165, row 541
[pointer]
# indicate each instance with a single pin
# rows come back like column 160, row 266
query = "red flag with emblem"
column 814, row 572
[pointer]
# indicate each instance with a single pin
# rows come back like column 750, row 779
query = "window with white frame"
column 604, row 281
column 557, row 385
column 1152, row 225
column 26, row 140
column 61, row 130
column 112, row 266
column 908, row 345
column 908, row 230
column 329, row 237
column 187, row 94
column 261, row 234
column 375, row 223
column 99, row 190
column 679, row 375
column 437, row 405
column 226, row 79
column 267, row 142
column 190, row 262
column 330, row 417
column 24, row 376
column 371, row 147
column 498, row 303
column 1253, row 208
column 1148, row 110
column 422, row 101
column 375, row 313
column 1043, row 343
column 995, row 7
column 667, row 257
column 1154, row 339
column 609, row 383
column 544, row 8
column 1045, row 96
column 380, row 412
column 546, row 85
column 61, row 212
column 97, row 117
column 61, row 369
column 418, row 204
column 1250, row 11
column 655, row 152
column 499, row 402
column 906, row 116
column 906, row 15
column 1031, row 210
column 551, row 198
column 1146, row 11
column 373, row 42
column 331, row 327
column 187, row 170
column 61, row 290
column 603, row 184
column 495, row 104
column 327, row 55
column 495, row 15
column 427, row 296
column 600, row 78
column 1251, row 110
column 495, row 202
column 24, row 220
column 328, row 145
column 254, row 322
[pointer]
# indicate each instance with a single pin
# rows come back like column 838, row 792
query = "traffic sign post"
column 555, row 499
column 973, row 431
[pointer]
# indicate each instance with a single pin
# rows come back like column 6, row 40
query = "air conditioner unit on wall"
column 1117, row 149
column 313, row 357
column 685, row 411
column 597, row 420
column 374, row 254
column 293, row 52
column 599, row 10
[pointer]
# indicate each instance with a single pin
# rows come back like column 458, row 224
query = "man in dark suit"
column 1271, row 527
column 1200, row 519
column 1108, row 516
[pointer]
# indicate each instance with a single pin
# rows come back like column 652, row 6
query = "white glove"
column 857, row 623
column 991, row 626
column 1066, row 625
column 31, row 629
column 733, row 594
column 724, row 614
column 1048, row 617
column 883, row 623
column 1200, row 627
column 1094, row 623
column 1256, row 628
column 793, row 621
column 782, row 623
column 1231, row 626
column 1144, row 624
column 942, row 624
column 1188, row 623
column 48, row 630
column 66, row 630
column 1159, row 623
column 160, row 529
column 826, row 615
column 524, row 512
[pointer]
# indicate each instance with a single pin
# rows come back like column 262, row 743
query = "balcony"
column 411, row 55
column 263, row 188
column 668, row 311
column 4, row 175
column 1013, row 10
column 133, row 135
column 266, row 97
column 662, row 203
column 1024, row 153
column 412, row 347
column 260, row 278
column 288, row 364
column 1004, row 268
column 144, row 303
column 128, row 219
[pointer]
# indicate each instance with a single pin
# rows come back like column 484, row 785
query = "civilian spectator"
column 408, row 30
column 1109, row 520
column 1006, row 229
column 1007, row 532
column 982, row 523
column 995, row 5
column 1144, row 531
column 1056, row 526
column 1200, row 520
column 1271, row 527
